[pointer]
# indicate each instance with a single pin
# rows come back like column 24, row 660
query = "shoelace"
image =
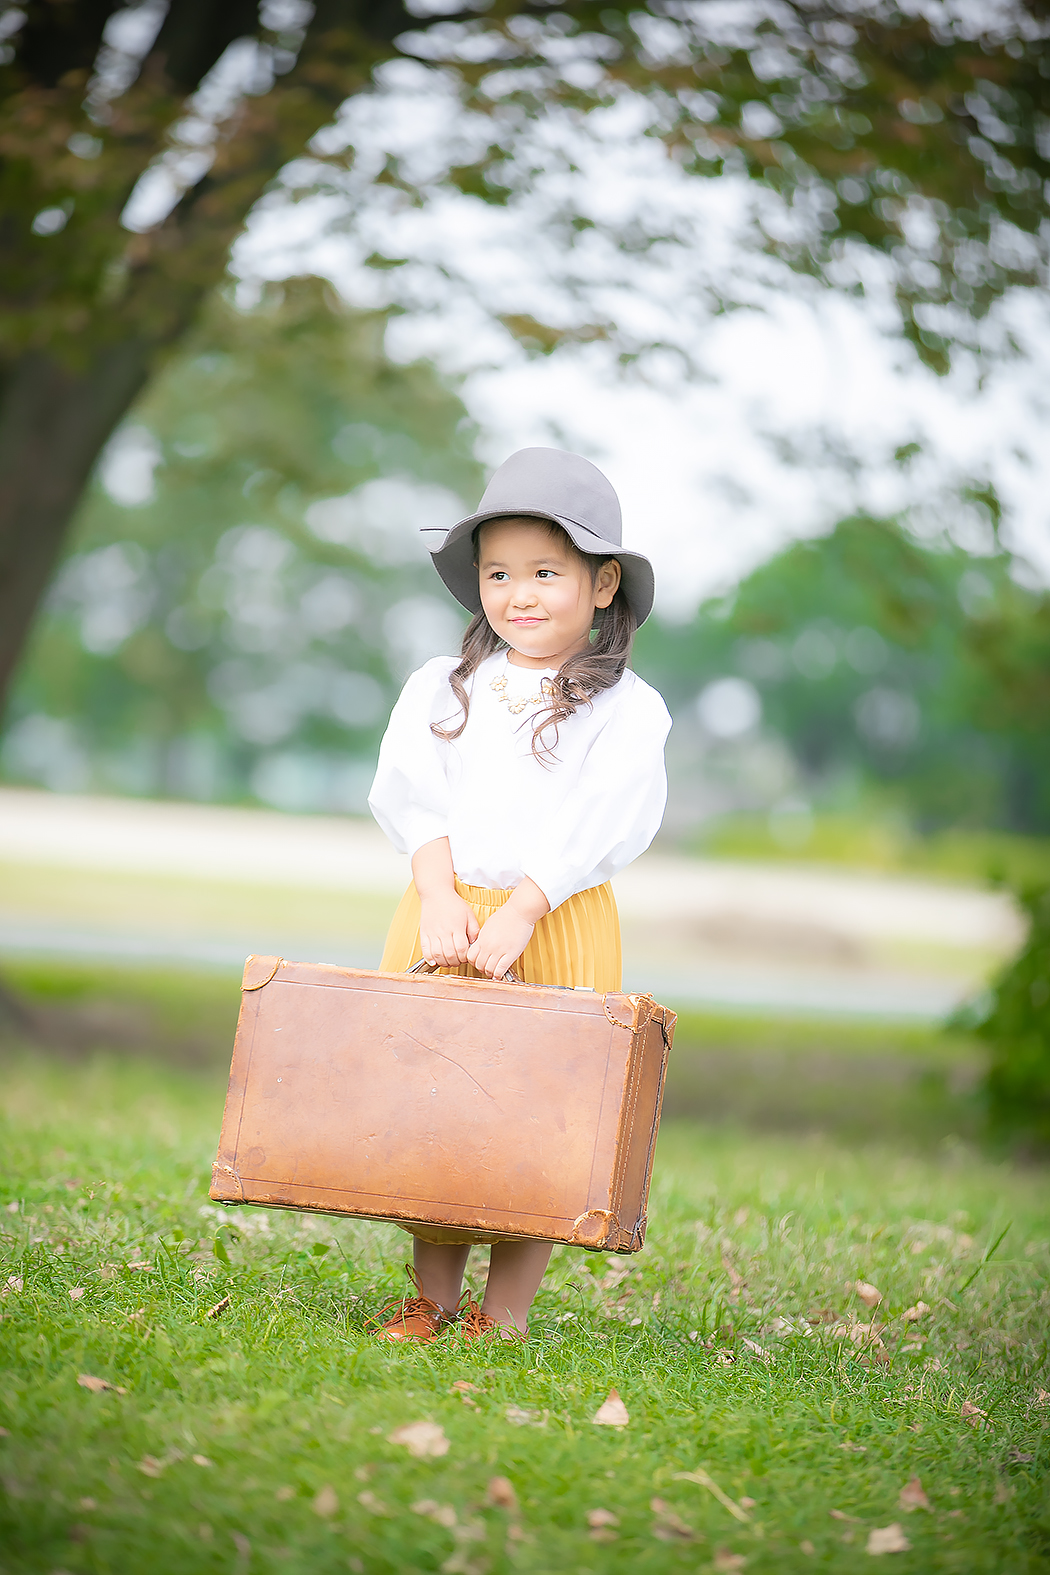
column 410, row 1306
column 475, row 1323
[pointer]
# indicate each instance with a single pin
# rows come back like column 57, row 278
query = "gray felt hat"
column 546, row 484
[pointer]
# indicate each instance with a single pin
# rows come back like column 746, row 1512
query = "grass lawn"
column 259, row 1439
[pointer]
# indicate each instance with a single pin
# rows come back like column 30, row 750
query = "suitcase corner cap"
column 259, row 971
column 594, row 1228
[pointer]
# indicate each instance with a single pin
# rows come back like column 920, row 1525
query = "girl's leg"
column 515, row 1271
column 439, row 1269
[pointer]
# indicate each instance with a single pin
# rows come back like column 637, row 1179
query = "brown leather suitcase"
column 504, row 1109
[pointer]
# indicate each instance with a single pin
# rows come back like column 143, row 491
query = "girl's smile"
column 537, row 593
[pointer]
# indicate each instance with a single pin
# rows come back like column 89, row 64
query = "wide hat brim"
column 454, row 559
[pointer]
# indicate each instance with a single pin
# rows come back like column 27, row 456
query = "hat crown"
column 550, row 481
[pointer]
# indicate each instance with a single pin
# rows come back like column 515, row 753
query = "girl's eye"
column 499, row 574
column 541, row 572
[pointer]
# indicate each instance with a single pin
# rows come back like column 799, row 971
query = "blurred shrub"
column 1017, row 1026
column 246, row 585
column 866, row 673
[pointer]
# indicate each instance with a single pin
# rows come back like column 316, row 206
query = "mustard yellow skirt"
column 577, row 943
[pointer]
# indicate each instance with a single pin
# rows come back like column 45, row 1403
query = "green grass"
column 883, row 843
column 106, row 1162
column 905, row 1083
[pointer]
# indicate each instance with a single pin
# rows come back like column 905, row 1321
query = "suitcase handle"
column 422, row 966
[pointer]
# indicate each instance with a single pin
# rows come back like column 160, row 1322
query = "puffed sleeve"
column 410, row 795
column 614, row 810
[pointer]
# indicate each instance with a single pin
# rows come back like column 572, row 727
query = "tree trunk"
column 53, row 423
column 96, row 308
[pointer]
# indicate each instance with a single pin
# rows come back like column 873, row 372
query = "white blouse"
column 568, row 825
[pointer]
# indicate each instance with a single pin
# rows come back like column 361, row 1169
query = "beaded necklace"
column 517, row 706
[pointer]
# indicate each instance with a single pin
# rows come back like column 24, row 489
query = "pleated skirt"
column 577, row 943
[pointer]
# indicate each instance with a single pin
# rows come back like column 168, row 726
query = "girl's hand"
column 447, row 926
column 501, row 942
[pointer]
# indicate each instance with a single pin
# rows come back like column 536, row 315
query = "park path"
column 704, row 931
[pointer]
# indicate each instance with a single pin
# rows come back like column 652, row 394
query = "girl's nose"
column 525, row 595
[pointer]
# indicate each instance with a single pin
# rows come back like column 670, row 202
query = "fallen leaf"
column 326, row 1503
column 724, row 1560
column 807, row 1548
column 201, row 1460
column 99, row 1385
column 219, row 1308
column 756, row 1350
column 1042, row 1398
column 88, row 1503
column 725, row 1358
column 241, row 1543
column 748, row 1503
column 912, row 1496
column 364, row 1473
column 819, row 1315
column 956, row 1514
column 501, row 1494
column 464, row 1386
column 150, row 1466
column 854, row 1449
column 522, row 1418
column 865, row 1334
column 973, row 1413
column 1003, row 1493
column 422, row 1439
column 887, row 1539
column 15, row 1282
column 76, row 1292
column 612, row 1412
column 870, row 1295
column 284, row 1494
column 840, row 1514
column 913, row 1314
column 602, row 1517
column 440, row 1514
column 1018, row 1457
column 669, row 1527
column 933, row 1364
column 914, row 1427
column 375, row 1506
column 146, row 1268
column 604, row 1534
column 701, row 1478
column 739, row 1290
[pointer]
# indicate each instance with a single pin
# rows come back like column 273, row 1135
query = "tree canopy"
column 134, row 139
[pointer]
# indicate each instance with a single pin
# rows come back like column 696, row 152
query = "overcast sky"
column 743, row 427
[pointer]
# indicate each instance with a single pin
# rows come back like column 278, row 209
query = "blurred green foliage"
column 247, row 588
column 1017, row 1027
column 910, row 678
column 239, row 608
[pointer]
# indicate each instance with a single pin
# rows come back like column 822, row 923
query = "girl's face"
column 537, row 593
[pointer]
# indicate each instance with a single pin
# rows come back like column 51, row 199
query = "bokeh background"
column 782, row 275
column 282, row 281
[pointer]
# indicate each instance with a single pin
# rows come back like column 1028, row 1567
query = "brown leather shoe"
column 416, row 1319
column 473, row 1324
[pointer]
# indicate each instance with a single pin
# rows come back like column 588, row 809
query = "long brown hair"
column 577, row 681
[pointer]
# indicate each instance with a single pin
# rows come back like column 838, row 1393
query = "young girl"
column 520, row 779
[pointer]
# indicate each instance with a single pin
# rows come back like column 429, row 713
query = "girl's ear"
column 607, row 582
